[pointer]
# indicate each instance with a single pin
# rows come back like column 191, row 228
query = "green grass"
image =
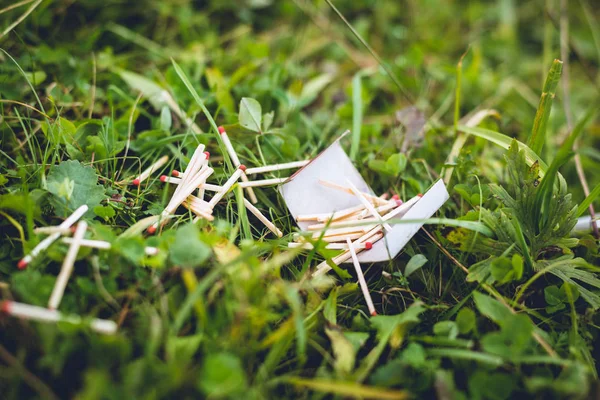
column 494, row 299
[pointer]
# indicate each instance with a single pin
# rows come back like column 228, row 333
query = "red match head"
column 221, row 130
column 368, row 246
column 175, row 173
column 242, row 167
column 152, row 230
column 22, row 264
column 395, row 197
column 163, row 178
column 5, row 307
column 136, row 182
column 398, row 203
column 420, row 195
column 207, row 154
column 374, row 314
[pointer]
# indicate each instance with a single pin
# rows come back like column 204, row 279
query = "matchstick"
column 342, row 231
column 340, row 238
column 196, row 166
column 330, row 246
column 381, row 209
column 201, row 204
column 399, row 211
column 373, row 199
column 343, row 213
column 361, row 279
column 372, row 236
column 48, row 230
column 198, row 211
column 67, row 267
column 225, row 188
column 363, row 199
column 276, row 167
column 340, row 224
column 44, row 244
column 264, row 182
column 262, row 218
column 236, row 162
column 148, row 171
column 177, row 181
column 103, row 245
column 26, row 311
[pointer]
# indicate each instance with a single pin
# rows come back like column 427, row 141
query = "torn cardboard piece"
column 303, row 194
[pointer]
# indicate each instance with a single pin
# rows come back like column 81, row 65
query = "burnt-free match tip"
column 395, row 197
column 5, row 307
column 207, row 154
column 163, row 178
column 175, row 173
column 151, row 230
column 242, row 167
column 420, row 195
column 22, row 264
column 368, row 246
column 398, row 203
column 136, row 182
column 221, row 130
column 374, row 314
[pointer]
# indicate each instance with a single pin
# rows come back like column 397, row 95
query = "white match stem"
column 370, row 197
column 26, row 311
column 402, row 209
column 361, row 279
column 148, row 171
column 44, row 244
column 230, row 182
column 276, row 167
column 201, row 204
column 340, row 238
column 342, row 231
column 331, row 246
column 104, row 245
column 67, row 267
column 264, row 182
column 363, row 199
column 178, row 198
column 198, row 211
column 237, row 163
column 381, row 209
column 204, row 186
column 372, row 236
column 343, row 213
column 332, row 216
column 340, row 224
column 262, row 218
column 45, row 230
column 196, row 163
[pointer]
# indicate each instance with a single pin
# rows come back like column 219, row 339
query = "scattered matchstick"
column 373, row 199
column 205, row 186
column 26, row 311
column 48, row 230
column 103, row 245
column 201, row 213
column 236, row 162
column 230, row 182
column 67, row 267
column 363, row 199
column 264, row 182
column 361, row 279
column 262, row 218
column 331, row 246
column 276, row 167
column 44, row 244
column 148, row 171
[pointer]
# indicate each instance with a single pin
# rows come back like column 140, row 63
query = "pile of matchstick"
column 352, row 230
column 26, row 311
column 195, row 176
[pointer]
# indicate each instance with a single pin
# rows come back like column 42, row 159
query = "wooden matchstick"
column 342, row 214
column 276, row 167
column 264, row 182
column 225, row 188
column 363, row 199
column 177, row 181
column 103, row 245
column 262, row 218
column 372, row 236
column 381, row 209
column 330, row 246
column 196, row 166
column 67, row 267
column 401, row 210
column 236, row 162
column 361, row 279
column 26, row 311
column 198, row 211
column 48, row 230
column 373, row 199
column 342, row 231
column 148, row 171
column 340, row 224
column 44, row 244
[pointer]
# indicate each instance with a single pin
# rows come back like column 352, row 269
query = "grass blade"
column 538, row 132
column 357, row 114
column 350, row 389
column 588, row 200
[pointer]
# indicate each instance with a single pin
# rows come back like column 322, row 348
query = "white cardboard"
column 303, row 194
